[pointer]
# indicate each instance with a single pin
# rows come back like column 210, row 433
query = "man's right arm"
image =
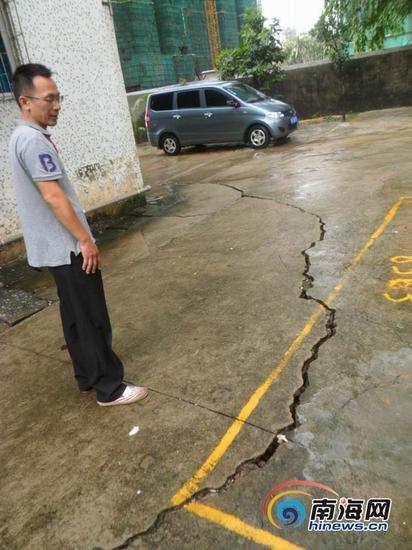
column 63, row 210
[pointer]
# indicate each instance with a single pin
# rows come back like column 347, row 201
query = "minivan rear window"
column 162, row 102
column 188, row 100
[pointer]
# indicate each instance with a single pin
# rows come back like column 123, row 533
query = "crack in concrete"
column 262, row 459
column 248, row 196
column 37, row 353
column 117, row 227
column 221, row 413
column 176, row 215
column 356, row 315
column 393, row 480
column 368, row 387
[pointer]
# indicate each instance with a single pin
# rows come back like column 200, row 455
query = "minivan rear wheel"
column 170, row 144
column 258, row 137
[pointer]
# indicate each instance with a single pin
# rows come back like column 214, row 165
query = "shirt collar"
column 20, row 122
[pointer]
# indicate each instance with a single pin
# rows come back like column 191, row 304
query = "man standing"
column 57, row 236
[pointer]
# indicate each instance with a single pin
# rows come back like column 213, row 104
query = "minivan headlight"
column 275, row 114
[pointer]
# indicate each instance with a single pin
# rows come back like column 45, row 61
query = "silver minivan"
column 216, row 112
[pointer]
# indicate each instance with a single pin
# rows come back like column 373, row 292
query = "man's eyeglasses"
column 50, row 100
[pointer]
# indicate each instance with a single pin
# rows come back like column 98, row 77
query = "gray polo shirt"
column 33, row 157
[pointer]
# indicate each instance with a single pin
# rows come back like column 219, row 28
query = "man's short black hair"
column 22, row 80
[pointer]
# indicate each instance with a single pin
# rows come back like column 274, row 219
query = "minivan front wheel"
column 170, row 144
column 258, row 137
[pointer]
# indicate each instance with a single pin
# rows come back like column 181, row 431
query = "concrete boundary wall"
column 376, row 80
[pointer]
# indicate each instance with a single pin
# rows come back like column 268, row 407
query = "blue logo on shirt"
column 47, row 162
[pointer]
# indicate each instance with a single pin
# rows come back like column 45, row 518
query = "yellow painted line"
column 370, row 242
column 210, row 463
column 330, row 131
column 235, row 524
column 187, row 490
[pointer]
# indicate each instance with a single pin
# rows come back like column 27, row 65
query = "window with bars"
column 5, row 68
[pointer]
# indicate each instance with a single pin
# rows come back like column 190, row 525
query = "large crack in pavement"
column 245, row 195
column 263, row 458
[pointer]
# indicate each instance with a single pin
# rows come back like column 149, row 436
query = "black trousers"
column 87, row 329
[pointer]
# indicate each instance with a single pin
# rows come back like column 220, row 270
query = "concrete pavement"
column 249, row 312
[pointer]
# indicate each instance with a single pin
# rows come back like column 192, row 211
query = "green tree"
column 334, row 32
column 259, row 55
column 302, row 48
column 370, row 20
column 362, row 23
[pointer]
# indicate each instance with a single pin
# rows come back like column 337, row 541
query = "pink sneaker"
column 131, row 394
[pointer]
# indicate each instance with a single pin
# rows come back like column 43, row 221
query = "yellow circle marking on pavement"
column 399, row 286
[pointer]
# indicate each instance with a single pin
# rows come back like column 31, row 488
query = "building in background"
column 394, row 40
column 402, row 38
column 168, row 41
column 94, row 129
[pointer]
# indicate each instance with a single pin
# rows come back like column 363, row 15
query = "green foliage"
column 369, row 21
column 137, row 113
column 138, row 110
column 259, row 55
column 302, row 48
column 139, row 132
column 333, row 31
column 363, row 23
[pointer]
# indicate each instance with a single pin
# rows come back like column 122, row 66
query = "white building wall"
column 76, row 40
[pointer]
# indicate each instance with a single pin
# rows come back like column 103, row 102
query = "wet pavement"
column 264, row 297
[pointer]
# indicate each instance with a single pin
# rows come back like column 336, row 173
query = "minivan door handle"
column 177, row 116
column 208, row 115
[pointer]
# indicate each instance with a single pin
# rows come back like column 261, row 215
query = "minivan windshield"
column 245, row 92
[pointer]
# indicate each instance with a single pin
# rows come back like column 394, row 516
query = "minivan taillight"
column 147, row 119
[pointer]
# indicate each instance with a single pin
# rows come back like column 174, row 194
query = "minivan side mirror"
column 233, row 103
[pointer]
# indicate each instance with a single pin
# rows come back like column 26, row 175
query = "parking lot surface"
column 269, row 311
